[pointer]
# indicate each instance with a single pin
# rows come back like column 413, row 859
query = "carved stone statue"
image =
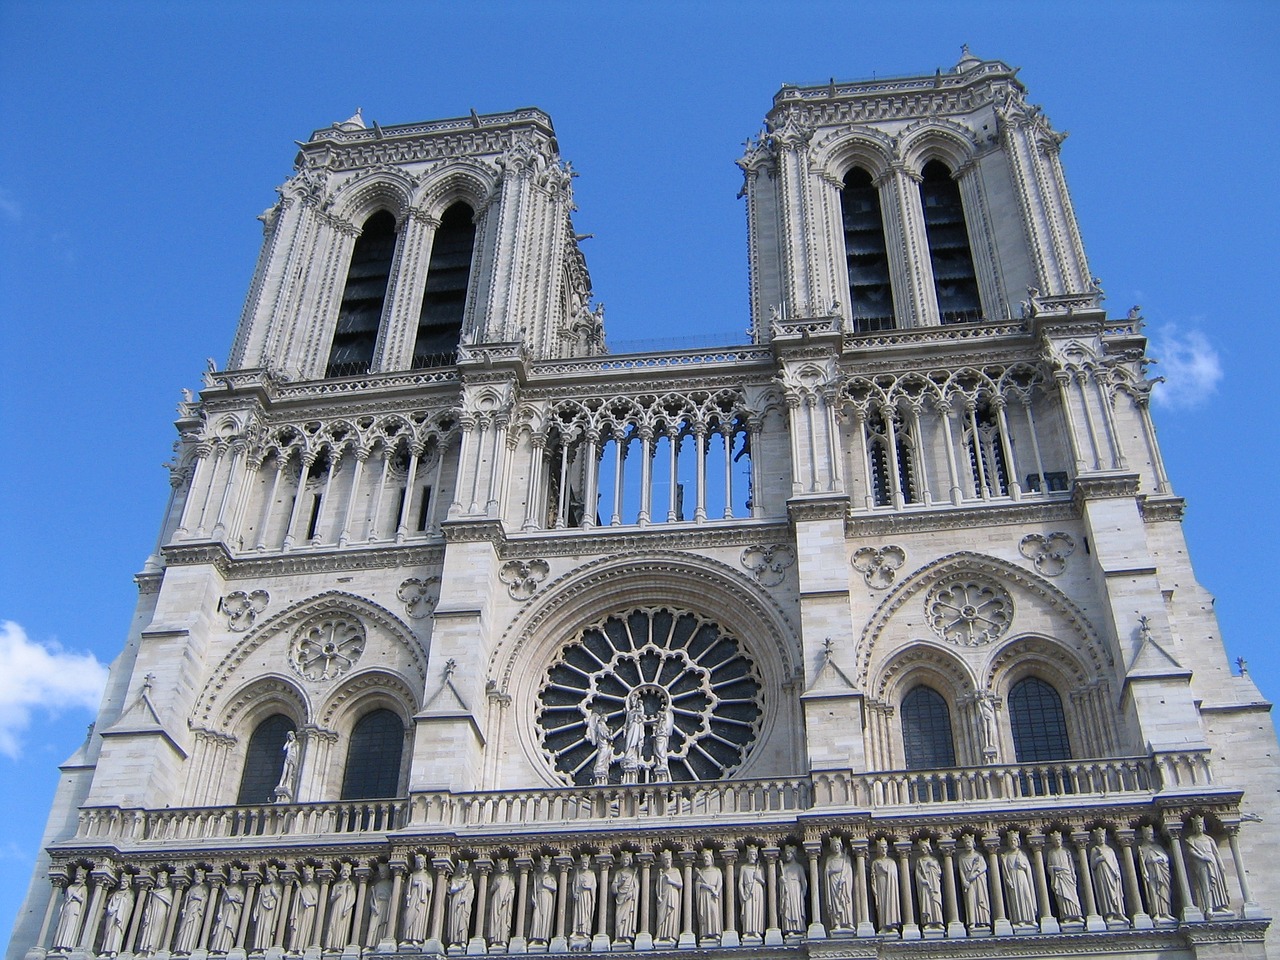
column 545, row 886
column 462, row 891
column 1153, row 863
column 751, row 893
column 417, row 901
column 73, row 901
column 928, row 885
column 987, row 712
column 973, row 883
column 598, row 735
column 284, row 791
column 156, row 918
column 342, row 905
column 1019, row 884
column 502, row 895
column 664, row 725
column 1060, row 867
column 837, row 874
column 1106, row 876
column 708, row 890
column 625, row 888
column 670, row 885
column 795, row 886
column 267, row 909
column 226, row 926
column 306, row 905
column 633, row 733
column 119, row 909
column 884, row 888
column 584, row 896
column 1204, row 864
column 191, row 921
column 380, row 906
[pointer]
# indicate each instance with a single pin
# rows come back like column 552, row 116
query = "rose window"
column 969, row 611
column 327, row 647
column 649, row 696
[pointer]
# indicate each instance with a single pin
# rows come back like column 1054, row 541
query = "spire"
column 967, row 60
column 353, row 122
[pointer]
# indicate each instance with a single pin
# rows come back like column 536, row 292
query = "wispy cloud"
column 37, row 676
column 1190, row 366
column 10, row 208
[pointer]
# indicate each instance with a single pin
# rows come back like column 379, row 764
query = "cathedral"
column 872, row 636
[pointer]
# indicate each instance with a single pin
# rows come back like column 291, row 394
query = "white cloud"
column 41, row 676
column 1190, row 366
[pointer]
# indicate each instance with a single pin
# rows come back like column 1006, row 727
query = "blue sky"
column 142, row 139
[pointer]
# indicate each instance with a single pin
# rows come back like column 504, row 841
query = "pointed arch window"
column 1038, row 723
column 926, row 730
column 373, row 757
column 445, row 298
column 891, row 449
column 954, row 279
column 985, row 448
column 360, row 314
column 264, row 760
column 866, row 255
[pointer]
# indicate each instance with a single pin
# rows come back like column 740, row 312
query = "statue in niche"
column 973, row 883
column 708, row 890
column 156, row 917
column 1106, row 876
column 73, row 900
column 306, row 905
column 119, row 909
column 417, row 901
column 625, row 888
column 1153, row 863
column 987, row 713
column 1061, row 870
column 928, row 884
column 751, row 893
column 600, row 737
column 267, row 908
column 670, row 885
column 1204, row 864
column 664, row 726
column 380, row 906
column 633, row 733
column 226, row 925
column 462, row 891
column 191, row 920
column 884, row 888
column 1019, row 886
column 342, row 904
column 584, row 896
column 837, row 872
column 795, row 886
column 545, row 886
column 284, row 791
column 502, row 894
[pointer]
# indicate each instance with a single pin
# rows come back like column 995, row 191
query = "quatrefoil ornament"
column 419, row 596
column 879, row 565
column 522, row 578
column 1048, row 552
column 242, row 608
column 768, row 562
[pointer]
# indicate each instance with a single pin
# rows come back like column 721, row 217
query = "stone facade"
column 875, row 634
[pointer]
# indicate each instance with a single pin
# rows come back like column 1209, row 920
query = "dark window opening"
column 926, row 730
column 870, row 290
column 264, row 760
column 314, row 523
column 1036, row 718
column 1056, row 481
column 425, row 510
column 882, row 463
column 987, row 463
column 360, row 313
column 944, row 226
column 445, row 296
column 373, row 757
column 400, row 504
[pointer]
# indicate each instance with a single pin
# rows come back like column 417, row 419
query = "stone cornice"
column 1158, row 508
column 1104, row 486
column 607, row 541
column 861, row 524
column 817, row 508
column 304, row 561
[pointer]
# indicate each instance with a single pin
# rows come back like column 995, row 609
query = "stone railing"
column 685, row 801
column 269, row 820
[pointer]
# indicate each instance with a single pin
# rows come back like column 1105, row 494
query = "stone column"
column 144, row 885
column 398, row 868
column 730, row 936
column 950, row 905
column 1000, row 925
column 251, row 881
column 210, row 909
column 816, row 931
column 179, row 884
column 772, row 933
column 601, row 940
column 560, row 943
column 1141, row 920
column 478, row 944
column 59, row 882
column 1092, row 921
column 865, row 927
column 518, row 942
column 688, row 939
column 444, row 869
column 644, row 935
column 906, row 891
column 103, row 881
column 1251, row 909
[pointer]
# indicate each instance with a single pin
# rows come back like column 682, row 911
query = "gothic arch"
column 469, row 181
column 271, row 693
column 923, row 662
column 844, row 149
column 358, row 199
column 936, row 139
column 364, row 691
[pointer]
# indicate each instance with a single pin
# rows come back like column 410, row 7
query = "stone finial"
column 353, row 122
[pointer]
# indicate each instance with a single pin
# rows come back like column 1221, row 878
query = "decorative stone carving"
column 419, row 596
column 1105, row 868
column 191, row 920
column 768, row 562
column 1019, row 885
column 156, row 917
column 884, row 888
column 523, row 577
column 584, row 897
column 342, row 904
column 708, row 889
column 73, row 904
column 417, row 901
column 119, row 908
column 1048, row 552
column 241, row 608
column 502, row 895
column 1204, row 866
column 327, row 646
column 973, row 884
column 380, row 906
column 968, row 610
column 751, row 896
column 929, row 885
column 226, row 926
column 1061, row 870
column 879, row 565
column 1153, row 864
column 545, row 886
column 625, row 889
column 631, row 699
column 837, row 872
column 670, row 885
column 284, row 791
column 306, row 905
column 267, row 909
column 462, row 891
